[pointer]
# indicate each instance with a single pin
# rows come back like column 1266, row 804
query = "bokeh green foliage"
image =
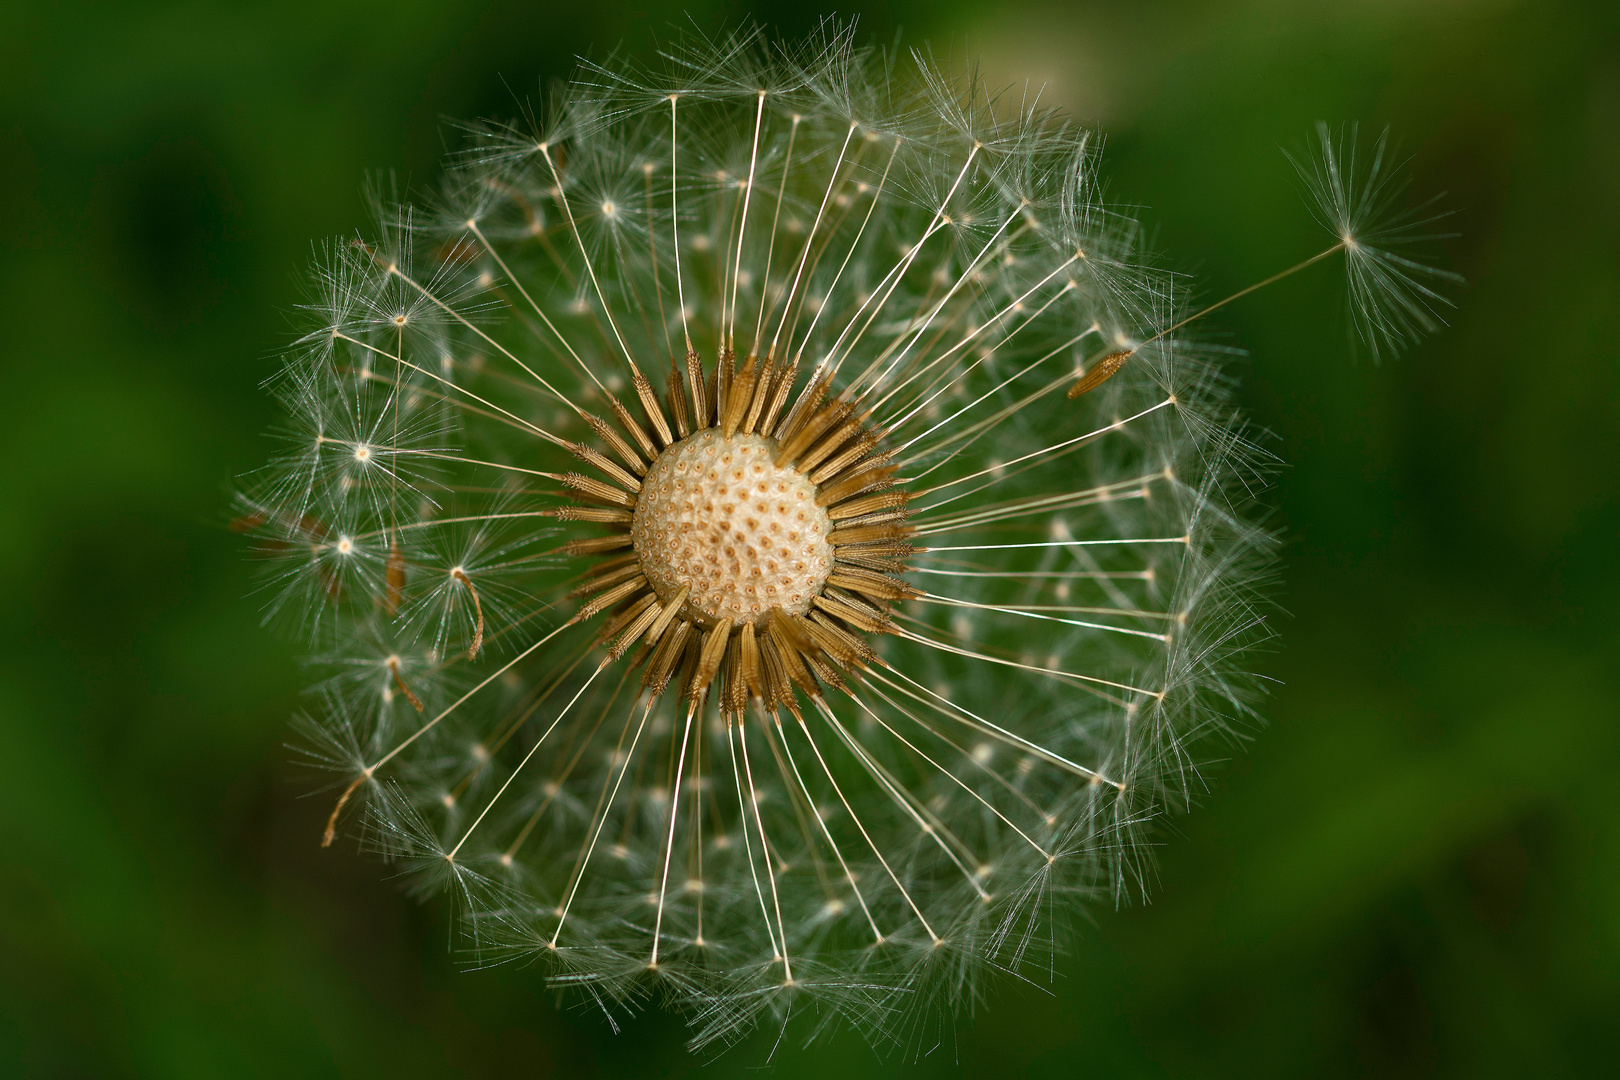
column 1413, row 870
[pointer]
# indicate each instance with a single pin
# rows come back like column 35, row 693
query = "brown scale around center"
column 763, row 545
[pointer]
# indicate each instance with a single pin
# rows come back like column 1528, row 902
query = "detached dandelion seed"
column 774, row 550
column 1394, row 298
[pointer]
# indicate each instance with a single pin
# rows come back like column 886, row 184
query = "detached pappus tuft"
column 770, row 547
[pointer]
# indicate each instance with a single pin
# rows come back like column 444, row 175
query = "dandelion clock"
column 770, row 550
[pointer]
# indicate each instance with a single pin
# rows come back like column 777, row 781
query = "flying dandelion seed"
column 1394, row 298
column 772, row 549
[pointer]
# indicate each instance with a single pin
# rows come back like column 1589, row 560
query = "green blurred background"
column 1414, row 871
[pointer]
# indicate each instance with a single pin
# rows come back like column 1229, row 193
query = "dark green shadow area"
column 1412, row 871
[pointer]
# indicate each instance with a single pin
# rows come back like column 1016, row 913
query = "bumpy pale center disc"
column 719, row 515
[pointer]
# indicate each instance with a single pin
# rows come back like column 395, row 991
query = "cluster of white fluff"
column 1082, row 586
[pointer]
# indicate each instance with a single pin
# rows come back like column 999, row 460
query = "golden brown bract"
column 759, row 558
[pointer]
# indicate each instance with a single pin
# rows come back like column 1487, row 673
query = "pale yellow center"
column 719, row 515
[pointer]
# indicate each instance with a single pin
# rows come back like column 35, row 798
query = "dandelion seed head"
column 750, row 588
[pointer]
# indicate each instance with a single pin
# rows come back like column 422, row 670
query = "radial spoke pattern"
column 761, row 542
